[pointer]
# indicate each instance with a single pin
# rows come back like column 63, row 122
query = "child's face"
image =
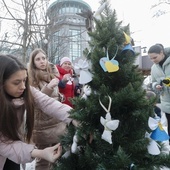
column 15, row 85
column 67, row 66
column 40, row 61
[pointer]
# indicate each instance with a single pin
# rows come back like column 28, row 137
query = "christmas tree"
column 113, row 117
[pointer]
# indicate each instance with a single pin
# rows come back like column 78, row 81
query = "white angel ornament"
column 108, row 123
column 153, row 147
column 86, row 91
column 158, row 133
column 74, row 145
column 83, row 68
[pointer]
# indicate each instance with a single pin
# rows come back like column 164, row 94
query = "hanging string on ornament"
column 109, row 65
column 108, row 123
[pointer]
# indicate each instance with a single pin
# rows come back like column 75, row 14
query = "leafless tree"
column 160, row 8
column 28, row 24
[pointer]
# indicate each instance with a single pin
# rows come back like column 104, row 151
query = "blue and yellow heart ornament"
column 109, row 65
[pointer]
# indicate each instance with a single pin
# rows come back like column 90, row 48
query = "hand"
column 66, row 77
column 158, row 87
column 53, row 83
column 51, row 154
column 75, row 123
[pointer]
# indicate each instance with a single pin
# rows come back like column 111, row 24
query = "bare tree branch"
column 28, row 27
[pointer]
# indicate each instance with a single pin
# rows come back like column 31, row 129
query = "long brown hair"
column 8, row 117
column 33, row 72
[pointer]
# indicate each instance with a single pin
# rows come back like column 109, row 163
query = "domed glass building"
column 67, row 32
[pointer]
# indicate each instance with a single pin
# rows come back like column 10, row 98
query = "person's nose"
column 153, row 60
column 42, row 61
column 23, row 85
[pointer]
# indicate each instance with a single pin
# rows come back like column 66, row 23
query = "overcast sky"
column 146, row 30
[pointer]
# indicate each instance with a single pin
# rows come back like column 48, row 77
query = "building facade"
column 67, row 33
column 143, row 61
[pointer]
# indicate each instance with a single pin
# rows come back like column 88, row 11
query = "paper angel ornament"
column 128, row 44
column 70, row 80
column 127, row 38
column 86, row 91
column 109, row 126
column 108, row 123
column 153, row 146
column 128, row 48
column 83, row 67
column 158, row 133
column 74, row 145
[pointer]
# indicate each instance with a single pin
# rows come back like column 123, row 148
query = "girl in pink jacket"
column 17, row 104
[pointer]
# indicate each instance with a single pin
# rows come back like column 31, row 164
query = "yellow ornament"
column 127, row 38
column 166, row 81
column 111, row 67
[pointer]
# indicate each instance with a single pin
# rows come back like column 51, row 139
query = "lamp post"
column 144, row 49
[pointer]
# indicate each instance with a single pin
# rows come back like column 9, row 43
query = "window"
column 75, row 46
column 55, row 48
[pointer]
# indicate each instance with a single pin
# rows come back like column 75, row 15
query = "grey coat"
column 159, row 73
